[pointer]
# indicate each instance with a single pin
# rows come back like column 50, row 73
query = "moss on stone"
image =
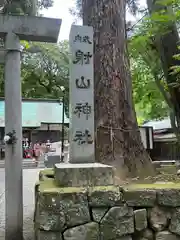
column 105, row 188
column 47, row 172
column 167, row 185
column 49, row 186
column 172, row 169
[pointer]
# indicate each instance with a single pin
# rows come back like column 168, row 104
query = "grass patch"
column 47, row 172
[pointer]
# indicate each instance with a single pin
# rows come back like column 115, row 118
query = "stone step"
column 164, row 163
column 26, row 164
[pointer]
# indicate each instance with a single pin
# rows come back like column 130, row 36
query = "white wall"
column 147, row 137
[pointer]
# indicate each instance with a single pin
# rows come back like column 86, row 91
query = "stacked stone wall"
column 106, row 213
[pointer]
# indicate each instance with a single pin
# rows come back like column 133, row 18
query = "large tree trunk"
column 118, row 140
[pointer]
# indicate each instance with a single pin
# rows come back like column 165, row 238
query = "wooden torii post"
column 13, row 29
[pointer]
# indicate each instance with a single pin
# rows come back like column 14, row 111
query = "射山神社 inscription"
column 83, row 109
column 81, row 95
column 82, row 82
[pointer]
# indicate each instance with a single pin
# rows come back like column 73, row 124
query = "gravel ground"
column 30, row 176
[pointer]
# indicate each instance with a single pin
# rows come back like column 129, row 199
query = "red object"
column 28, row 153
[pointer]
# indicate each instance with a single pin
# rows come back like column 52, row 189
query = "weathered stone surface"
column 109, row 196
column 142, row 238
column 46, row 173
column 125, row 238
column 140, row 197
column 175, row 222
column 31, row 28
column 169, row 197
column 140, row 217
column 81, row 153
column 70, row 202
column 165, row 235
column 117, row 222
column 53, row 198
column 146, row 234
column 45, row 235
column 98, row 213
column 83, row 175
column 89, row 231
column 158, row 218
column 48, row 221
column 77, row 214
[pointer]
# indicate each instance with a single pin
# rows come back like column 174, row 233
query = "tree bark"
column 118, row 140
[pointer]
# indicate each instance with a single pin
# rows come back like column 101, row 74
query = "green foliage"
column 176, row 68
column 149, row 102
column 25, row 7
column 146, row 71
column 150, row 67
column 45, row 70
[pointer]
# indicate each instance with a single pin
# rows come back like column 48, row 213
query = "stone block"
column 89, row 231
column 165, row 235
column 53, row 198
column 125, row 238
column 175, row 222
column 49, row 221
column 158, row 218
column 108, row 196
column 117, row 222
column 67, row 206
column 31, row 28
column 77, row 214
column 46, row 235
column 83, row 175
column 140, row 197
column 169, row 197
column 146, row 234
column 98, row 213
column 140, row 217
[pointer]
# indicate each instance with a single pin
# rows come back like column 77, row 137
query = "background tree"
column 21, row 7
column 45, row 70
column 149, row 102
column 149, row 86
column 118, row 139
column 166, row 43
column 157, row 41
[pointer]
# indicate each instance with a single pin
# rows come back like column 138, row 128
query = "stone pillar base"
column 83, row 175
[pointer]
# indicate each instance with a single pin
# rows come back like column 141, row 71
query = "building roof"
column 159, row 125
column 167, row 137
column 35, row 112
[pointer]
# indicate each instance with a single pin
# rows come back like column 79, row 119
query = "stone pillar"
column 13, row 154
column 81, row 95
